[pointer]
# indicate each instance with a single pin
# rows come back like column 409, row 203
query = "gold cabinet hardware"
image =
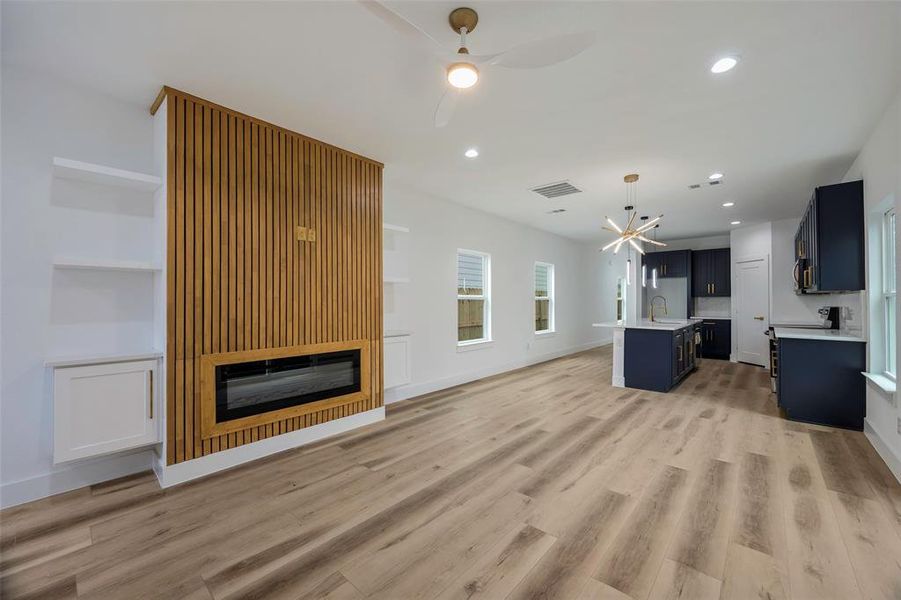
column 680, row 352
column 758, row 318
column 150, row 380
column 713, row 287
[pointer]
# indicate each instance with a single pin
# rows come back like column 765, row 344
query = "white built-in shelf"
column 388, row 279
column 99, row 359
column 397, row 228
column 393, row 333
column 67, row 168
column 104, row 264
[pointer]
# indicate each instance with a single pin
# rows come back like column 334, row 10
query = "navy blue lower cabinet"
column 656, row 359
column 820, row 381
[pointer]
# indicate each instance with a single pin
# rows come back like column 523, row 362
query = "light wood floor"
column 542, row 483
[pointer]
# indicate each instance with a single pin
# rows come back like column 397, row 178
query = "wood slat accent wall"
column 238, row 279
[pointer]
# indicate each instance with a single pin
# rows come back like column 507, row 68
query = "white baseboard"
column 418, row 389
column 619, row 382
column 170, row 475
column 75, row 475
column 883, row 449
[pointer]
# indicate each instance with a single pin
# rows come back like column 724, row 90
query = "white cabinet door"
column 99, row 409
column 397, row 361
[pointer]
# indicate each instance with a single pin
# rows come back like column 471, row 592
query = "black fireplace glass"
column 260, row 386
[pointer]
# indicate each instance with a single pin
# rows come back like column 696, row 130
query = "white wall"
column 427, row 305
column 46, row 313
column 604, row 271
column 879, row 165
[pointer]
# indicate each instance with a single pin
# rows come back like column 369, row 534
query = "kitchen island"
column 652, row 355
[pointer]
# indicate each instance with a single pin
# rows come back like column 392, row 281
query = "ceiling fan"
column 462, row 67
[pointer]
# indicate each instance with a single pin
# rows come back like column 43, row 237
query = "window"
column 544, row 297
column 889, row 290
column 473, row 297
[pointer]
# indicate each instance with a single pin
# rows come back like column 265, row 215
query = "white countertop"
column 663, row 325
column 711, row 317
column 817, row 334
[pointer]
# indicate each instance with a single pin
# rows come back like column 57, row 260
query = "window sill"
column 545, row 334
column 477, row 345
column 881, row 381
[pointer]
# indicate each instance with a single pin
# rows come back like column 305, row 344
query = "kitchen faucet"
column 651, row 307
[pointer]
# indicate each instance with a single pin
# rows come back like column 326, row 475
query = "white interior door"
column 751, row 296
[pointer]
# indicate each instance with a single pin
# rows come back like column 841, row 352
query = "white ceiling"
column 813, row 81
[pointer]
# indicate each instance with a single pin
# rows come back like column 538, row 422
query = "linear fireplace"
column 242, row 389
column 259, row 386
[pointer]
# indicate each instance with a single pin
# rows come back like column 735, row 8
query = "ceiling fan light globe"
column 462, row 75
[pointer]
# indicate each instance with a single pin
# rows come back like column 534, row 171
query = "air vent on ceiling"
column 555, row 190
column 697, row 186
column 556, row 211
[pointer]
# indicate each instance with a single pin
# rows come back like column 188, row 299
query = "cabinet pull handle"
column 680, row 352
column 713, row 287
column 150, row 379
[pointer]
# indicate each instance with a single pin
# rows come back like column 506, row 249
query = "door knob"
column 758, row 318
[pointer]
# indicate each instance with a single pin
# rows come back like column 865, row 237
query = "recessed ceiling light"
column 724, row 64
column 736, row 223
column 715, row 176
column 471, row 153
column 728, row 204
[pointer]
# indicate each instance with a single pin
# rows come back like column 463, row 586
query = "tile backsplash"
column 712, row 307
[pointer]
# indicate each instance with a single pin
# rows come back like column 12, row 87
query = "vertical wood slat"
column 238, row 279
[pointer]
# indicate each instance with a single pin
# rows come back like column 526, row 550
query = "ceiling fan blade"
column 405, row 27
column 446, row 107
column 545, row 52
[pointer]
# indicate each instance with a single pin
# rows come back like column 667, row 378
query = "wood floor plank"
column 838, row 468
column 873, row 546
column 818, row 561
column 759, row 522
column 753, row 575
column 705, row 527
column 678, row 581
column 335, row 587
column 631, row 564
column 564, row 570
column 502, row 567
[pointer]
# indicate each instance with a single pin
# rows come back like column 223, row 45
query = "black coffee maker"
column 831, row 316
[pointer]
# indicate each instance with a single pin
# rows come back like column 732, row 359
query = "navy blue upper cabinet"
column 711, row 273
column 829, row 244
column 673, row 263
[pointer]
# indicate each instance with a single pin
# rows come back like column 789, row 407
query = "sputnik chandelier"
column 628, row 234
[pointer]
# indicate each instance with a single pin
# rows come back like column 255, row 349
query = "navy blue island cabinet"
column 820, row 381
column 657, row 359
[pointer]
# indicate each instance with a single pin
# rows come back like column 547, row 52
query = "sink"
column 668, row 322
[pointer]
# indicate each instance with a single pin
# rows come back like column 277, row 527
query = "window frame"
column 889, row 293
column 551, row 297
column 485, row 297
